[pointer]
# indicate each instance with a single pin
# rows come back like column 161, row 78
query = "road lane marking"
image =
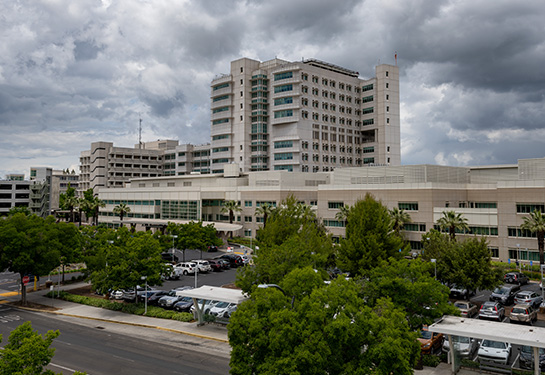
column 8, row 294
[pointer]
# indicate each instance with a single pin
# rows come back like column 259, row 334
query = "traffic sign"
column 26, row 279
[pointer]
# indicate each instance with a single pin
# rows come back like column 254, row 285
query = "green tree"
column 67, row 240
column 399, row 218
column 69, row 201
column 264, row 210
column 285, row 221
column 27, row 352
column 452, row 222
column 121, row 209
column 231, row 207
column 19, row 210
column 535, row 223
column 123, row 263
column 467, row 264
column 192, row 235
column 28, row 245
column 411, row 286
column 94, row 206
column 369, row 238
column 330, row 330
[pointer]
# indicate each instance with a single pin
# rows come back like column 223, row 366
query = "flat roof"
column 496, row 331
column 215, row 293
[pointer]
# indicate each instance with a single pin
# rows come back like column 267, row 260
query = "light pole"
column 145, row 278
column 173, row 248
column 434, row 261
column 518, row 255
column 542, row 286
column 265, row 286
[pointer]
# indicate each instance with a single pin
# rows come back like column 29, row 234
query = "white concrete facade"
column 494, row 199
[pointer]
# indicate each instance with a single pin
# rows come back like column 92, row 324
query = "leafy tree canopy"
column 467, row 264
column 368, row 238
column 33, row 245
column 411, row 286
column 330, row 330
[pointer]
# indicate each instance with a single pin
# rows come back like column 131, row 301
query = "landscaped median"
column 129, row 308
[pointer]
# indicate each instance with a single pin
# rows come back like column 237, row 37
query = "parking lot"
column 483, row 296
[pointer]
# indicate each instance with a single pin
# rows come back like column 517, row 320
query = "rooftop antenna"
column 140, row 133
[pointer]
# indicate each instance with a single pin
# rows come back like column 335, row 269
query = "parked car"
column 505, row 294
column 212, row 248
column 523, row 313
column 202, row 265
column 221, row 308
column 515, row 278
column 155, row 297
column 430, row 342
column 466, row 346
column 145, row 295
column 460, row 292
column 494, row 351
column 225, row 264
column 233, row 259
column 245, row 259
column 208, row 304
column 184, row 304
column 186, row 268
column 526, row 359
column 230, row 310
column 527, row 296
column 492, row 310
column 116, row 294
column 171, row 298
column 467, row 308
column 215, row 265
column 171, row 272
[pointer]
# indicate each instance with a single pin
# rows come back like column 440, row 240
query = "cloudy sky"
column 75, row 72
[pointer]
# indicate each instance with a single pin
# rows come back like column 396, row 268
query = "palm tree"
column 342, row 215
column 121, row 209
column 231, row 207
column 264, row 209
column 399, row 219
column 94, row 205
column 70, row 203
column 452, row 221
column 82, row 206
column 535, row 223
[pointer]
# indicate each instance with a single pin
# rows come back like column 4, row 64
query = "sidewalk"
column 207, row 331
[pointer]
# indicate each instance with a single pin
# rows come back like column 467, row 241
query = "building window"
column 367, row 88
column 286, row 100
column 222, row 86
column 286, row 75
column 367, row 99
column 283, row 88
column 285, row 113
column 526, row 208
column 408, row 206
column 335, row 205
column 283, row 144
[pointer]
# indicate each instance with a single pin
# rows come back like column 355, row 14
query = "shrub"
column 430, row 360
column 129, row 308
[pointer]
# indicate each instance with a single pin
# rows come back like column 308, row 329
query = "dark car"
column 215, row 264
column 233, row 259
column 225, row 264
column 212, row 248
column 184, row 305
column 154, row 298
column 505, row 294
column 526, row 359
column 515, row 278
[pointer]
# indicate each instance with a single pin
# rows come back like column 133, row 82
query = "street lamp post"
column 173, row 248
column 265, row 286
column 542, row 286
column 145, row 295
column 518, row 255
column 434, row 261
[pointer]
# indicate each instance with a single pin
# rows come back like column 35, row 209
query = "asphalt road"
column 106, row 348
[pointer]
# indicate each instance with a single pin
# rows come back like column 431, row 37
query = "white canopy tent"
column 495, row 331
column 207, row 292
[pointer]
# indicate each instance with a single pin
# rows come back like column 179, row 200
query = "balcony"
column 221, row 115
column 222, row 103
column 284, row 120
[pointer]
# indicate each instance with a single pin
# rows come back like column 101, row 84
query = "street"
column 108, row 348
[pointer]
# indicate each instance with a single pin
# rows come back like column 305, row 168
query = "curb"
column 125, row 323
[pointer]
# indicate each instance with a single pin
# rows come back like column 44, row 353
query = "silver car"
column 492, row 310
column 466, row 346
column 528, row 297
